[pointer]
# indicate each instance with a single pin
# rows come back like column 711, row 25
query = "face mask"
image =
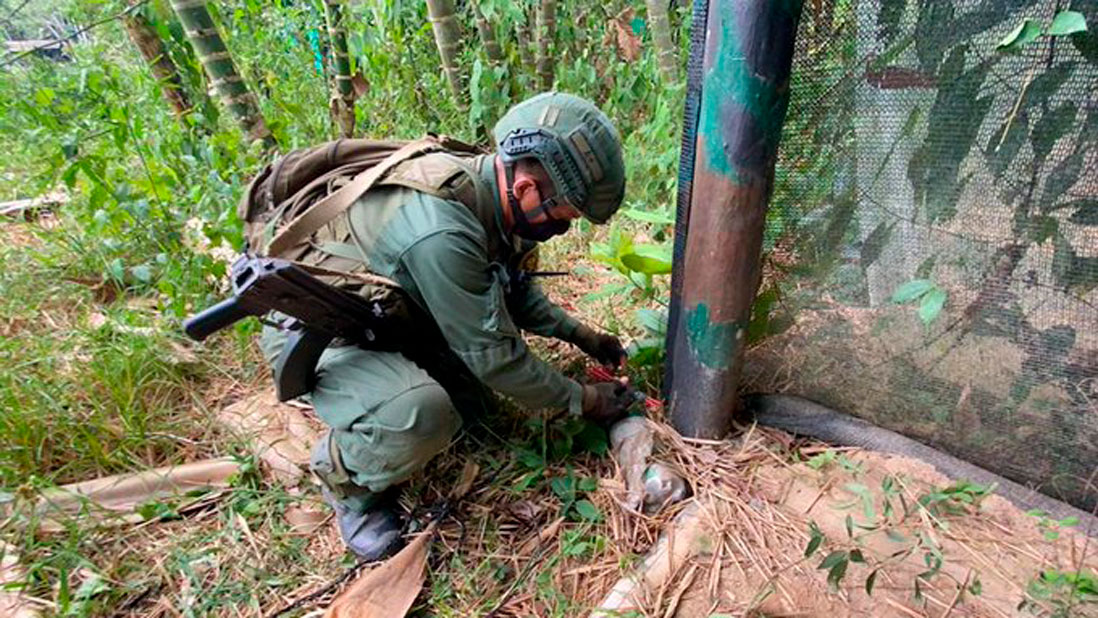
column 537, row 232
column 540, row 232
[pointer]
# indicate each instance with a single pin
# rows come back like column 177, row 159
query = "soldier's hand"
column 607, row 402
column 604, row 348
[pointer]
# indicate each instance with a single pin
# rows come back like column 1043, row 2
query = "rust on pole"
column 747, row 51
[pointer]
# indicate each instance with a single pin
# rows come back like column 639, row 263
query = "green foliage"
column 1067, row 592
column 1050, row 527
column 1062, row 24
column 1067, row 22
column 816, row 537
column 835, row 564
column 919, row 519
column 638, row 264
column 930, row 297
column 955, row 499
column 1025, row 32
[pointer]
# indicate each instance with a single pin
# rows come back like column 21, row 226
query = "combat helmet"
column 576, row 144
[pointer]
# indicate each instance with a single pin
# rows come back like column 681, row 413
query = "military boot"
column 369, row 523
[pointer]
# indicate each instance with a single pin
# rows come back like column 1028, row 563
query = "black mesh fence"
column 932, row 248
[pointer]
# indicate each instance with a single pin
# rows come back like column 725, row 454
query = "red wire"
column 598, row 373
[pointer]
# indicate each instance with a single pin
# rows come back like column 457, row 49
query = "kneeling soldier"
column 454, row 230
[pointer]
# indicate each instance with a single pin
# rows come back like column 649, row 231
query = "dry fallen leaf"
column 12, row 602
column 305, row 519
column 531, row 544
column 525, row 510
column 359, row 83
column 281, row 435
column 468, row 475
column 629, row 44
column 389, row 590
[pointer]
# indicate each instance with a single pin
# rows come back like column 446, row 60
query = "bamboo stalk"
column 547, row 28
column 522, row 39
column 661, row 35
column 448, row 39
column 152, row 49
column 343, row 92
column 488, row 37
column 216, row 59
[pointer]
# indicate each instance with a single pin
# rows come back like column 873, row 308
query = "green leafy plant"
column 955, row 499
column 824, row 460
column 930, row 298
column 919, row 541
column 1066, row 592
column 1062, row 24
column 639, row 264
column 1050, row 527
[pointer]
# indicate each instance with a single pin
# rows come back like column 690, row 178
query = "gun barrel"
column 221, row 315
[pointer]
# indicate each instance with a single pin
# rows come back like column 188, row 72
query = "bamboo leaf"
column 817, row 537
column 869, row 581
column 1024, row 33
column 608, row 290
column 931, row 305
column 835, row 576
column 1050, row 128
column 648, row 259
column 652, row 320
column 832, row 559
column 888, row 19
column 911, row 290
column 875, row 243
column 648, row 217
column 1067, row 22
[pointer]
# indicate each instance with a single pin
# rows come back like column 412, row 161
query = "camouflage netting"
column 932, row 249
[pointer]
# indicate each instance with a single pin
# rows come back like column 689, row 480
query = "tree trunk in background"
column 448, row 38
column 488, row 37
column 152, row 50
column 203, row 35
column 661, row 35
column 522, row 39
column 547, row 28
column 343, row 92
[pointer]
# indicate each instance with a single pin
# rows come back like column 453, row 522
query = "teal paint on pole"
column 744, row 94
column 731, row 81
column 713, row 344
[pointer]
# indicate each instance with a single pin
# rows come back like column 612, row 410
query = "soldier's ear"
column 523, row 184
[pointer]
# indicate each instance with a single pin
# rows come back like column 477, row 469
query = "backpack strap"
column 335, row 204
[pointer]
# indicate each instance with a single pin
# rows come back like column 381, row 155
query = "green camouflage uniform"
column 390, row 416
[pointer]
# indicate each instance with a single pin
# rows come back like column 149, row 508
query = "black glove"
column 604, row 348
column 607, row 402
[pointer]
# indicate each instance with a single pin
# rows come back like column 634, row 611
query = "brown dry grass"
column 503, row 553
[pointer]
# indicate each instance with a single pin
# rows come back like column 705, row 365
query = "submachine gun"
column 318, row 314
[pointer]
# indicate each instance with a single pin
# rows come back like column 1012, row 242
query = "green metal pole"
column 748, row 52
